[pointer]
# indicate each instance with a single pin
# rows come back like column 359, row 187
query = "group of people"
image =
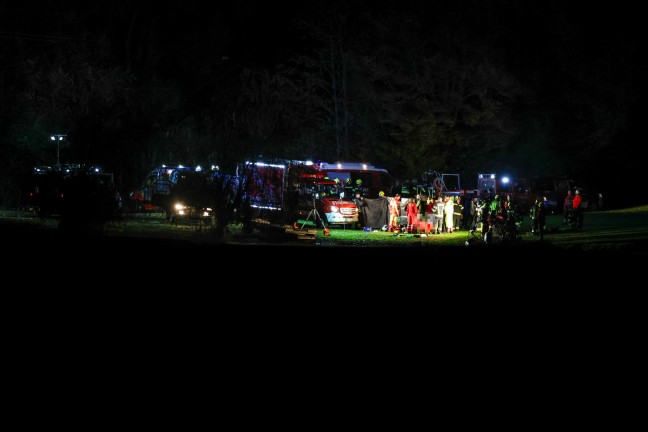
column 490, row 213
column 444, row 214
column 572, row 213
column 485, row 211
column 572, row 210
column 509, row 213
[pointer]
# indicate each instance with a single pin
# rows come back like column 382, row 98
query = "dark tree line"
column 466, row 86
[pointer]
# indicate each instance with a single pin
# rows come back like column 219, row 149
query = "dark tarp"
column 376, row 212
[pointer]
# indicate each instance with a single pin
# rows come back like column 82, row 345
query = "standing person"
column 495, row 207
column 431, row 216
column 458, row 213
column 359, row 202
column 538, row 217
column 394, row 214
column 510, row 214
column 349, row 190
column 438, row 229
column 385, row 217
column 465, row 213
column 567, row 207
column 533, row 213
column 411, row 210
column 577, row 210
column 420, row 206
column 508, row 206
column 429, row 209
column 542, row 213
column 448, row 208
column 359, row 186
column 472, row 213
column 485, row 219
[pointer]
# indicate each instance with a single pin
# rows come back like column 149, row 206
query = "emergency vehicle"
column 371, row 179
column 555, row 190
column 50, row 189
column 521, row 190
column 184, row 193
column 526, row 191
column 288, row 190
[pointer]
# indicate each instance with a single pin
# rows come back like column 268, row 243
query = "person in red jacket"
column 577, row 210
column 411, row 210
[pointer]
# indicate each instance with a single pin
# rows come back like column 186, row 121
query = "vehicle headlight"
column 179, row 206
column 334, row 209
column 205, row 213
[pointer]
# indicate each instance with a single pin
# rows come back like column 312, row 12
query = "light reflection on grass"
column 603, row 229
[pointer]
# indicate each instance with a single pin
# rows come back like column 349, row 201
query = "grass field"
column 601, row 230
column 625, row 229
column 141, row 255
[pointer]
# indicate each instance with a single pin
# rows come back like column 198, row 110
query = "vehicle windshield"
column 328, row 190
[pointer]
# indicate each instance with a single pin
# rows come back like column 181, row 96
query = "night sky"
column 532, row 88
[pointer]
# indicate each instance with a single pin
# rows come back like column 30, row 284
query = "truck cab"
column 369, row 178
column 333, row 204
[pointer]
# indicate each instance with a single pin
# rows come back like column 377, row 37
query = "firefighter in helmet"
column 358, row 186
column 348, row 188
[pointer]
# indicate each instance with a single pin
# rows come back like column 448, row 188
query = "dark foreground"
column 154, row 257
column 83, row 293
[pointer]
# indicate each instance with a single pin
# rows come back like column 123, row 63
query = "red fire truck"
column 290, row 190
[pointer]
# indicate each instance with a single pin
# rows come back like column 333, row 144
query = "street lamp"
column 58, row 138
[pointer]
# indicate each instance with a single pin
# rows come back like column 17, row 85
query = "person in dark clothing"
column 466, row 220
column 359, row 202
column 484, row 218
column 472, row 213
column 538, row 217
column 512, row 217
column 458, row 213
column 567, row 207
column 542, row 215
column 533, row 213
column 421, row 206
